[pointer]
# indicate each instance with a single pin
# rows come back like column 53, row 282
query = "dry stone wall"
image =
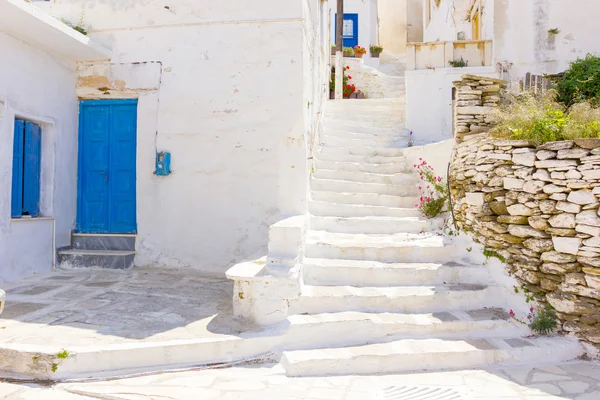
column 538, row 207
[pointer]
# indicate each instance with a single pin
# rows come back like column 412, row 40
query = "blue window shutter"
column 17, row 171
column 31, row 173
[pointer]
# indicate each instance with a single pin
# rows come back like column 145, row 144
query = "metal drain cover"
column 419, row 393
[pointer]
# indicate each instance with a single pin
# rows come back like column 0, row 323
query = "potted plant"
column 359, row 52
column 376, row 51
column 348, row 51
column 333, row 49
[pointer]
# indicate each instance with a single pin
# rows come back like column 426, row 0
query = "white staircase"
column 382, row 291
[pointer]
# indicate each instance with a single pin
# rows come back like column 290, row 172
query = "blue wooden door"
column 350, row 30
column 107, row 172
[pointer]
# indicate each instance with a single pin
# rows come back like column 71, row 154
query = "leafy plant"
column 544, row 321
column 553, row 31
column 435, row 194
column 359, row 50
column 78, row 28
column 581, row 82
column 489, row 253
column 348, row 51
column 347, row 87
column 63, row 354
column 375, row 49
column 459, row 63
column 541, row 119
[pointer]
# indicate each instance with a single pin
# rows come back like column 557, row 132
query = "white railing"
column 475, row 53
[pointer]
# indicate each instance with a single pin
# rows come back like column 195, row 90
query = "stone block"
column 563, row 220
column 567, row 245
column 539, row 223
column 551, row 189
column 520, row 210
column 513, row 219
column 558, row 269
column 589, row 144
column 588, row 230
column 475, row 199
column 559, row 258
column 555, row 163
column 574, row 153
column 589, row 217
column 533, row 186
column 589, row 261
column 475, row 110
column 523, row 231
column 527, row 159
column 582, row 197
column 545, row 155
column 593, row 281
column 573, row 174
column 569, row 304
column 575, row 278
column 568, row 207
column 513, row 184
column 591, row 174
column 555, row 146
column 539, row 245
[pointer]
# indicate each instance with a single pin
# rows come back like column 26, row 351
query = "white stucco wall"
column 39, row 87
column 522, row 38
column 429, row 101
column 229, row 101
column 367, row 20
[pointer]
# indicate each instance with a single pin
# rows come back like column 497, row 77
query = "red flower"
column 531, row 309
column 512, row 313
column 347, row 67
column 349, row 77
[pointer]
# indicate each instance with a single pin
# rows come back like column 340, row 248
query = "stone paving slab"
column 79, row 308
column 578, row 381
column 120, row 322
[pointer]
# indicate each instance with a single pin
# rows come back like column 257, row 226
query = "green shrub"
column 541, row 119
column 544, row 322
column 581, row 82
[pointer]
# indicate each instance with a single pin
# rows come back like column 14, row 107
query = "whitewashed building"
column 498, row 38
column 230, row 94
column 38, row 135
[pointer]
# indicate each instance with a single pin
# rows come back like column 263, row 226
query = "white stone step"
column 369, row 113
column 364, row 126
column 352, row 134
column 400, row 299
column 406, row 247
column 357, row 328
column 391, row 117
column 341, row 186
column 429, row 354
column 363, row 151
column 370, row 103
column 369, row 199
column 375, row 225
column 401, row 178
column 332, row 272
column 374, row 141
column 353, row 166
column 359, row 210
column 341, row 157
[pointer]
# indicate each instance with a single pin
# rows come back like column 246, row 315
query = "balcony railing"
column 475, row 53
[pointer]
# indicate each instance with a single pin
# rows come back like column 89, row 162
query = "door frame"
column 82, row 104
column 354, row 17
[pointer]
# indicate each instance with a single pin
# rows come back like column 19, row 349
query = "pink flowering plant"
column 434, row 190
column 541, row 322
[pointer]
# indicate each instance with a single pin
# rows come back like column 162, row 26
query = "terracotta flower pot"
column 333, row 50
column 360, row 95
column 353, row 95
column 359, row 55
column 375, row 55
column 331, row 95
column 347, row 54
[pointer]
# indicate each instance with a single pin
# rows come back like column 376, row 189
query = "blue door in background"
column 107, row 172
column 350, row 30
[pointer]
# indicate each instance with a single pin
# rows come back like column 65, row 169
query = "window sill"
column 29, row 219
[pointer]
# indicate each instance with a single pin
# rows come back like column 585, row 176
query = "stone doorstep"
column 22, row 361
column 427, row 354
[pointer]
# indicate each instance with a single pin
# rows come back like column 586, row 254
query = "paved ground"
column 580, row 380
column 81, row 308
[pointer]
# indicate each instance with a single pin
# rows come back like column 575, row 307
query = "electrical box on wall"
column 163, row 163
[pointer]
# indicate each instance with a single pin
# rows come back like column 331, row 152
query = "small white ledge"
column 27, row 22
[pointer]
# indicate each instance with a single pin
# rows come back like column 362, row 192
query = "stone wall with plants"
column 534, row 207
